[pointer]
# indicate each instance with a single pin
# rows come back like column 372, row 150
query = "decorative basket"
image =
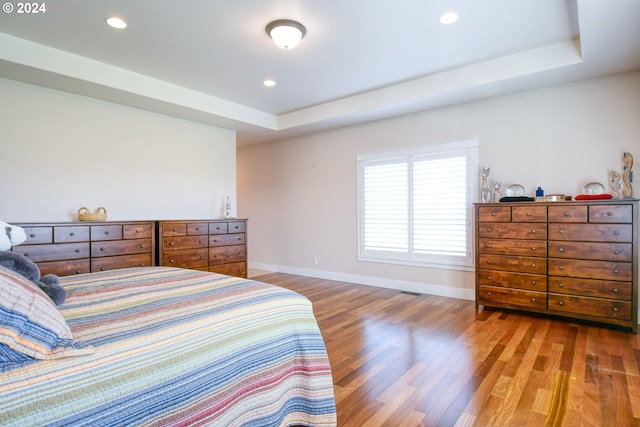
column 100, row 214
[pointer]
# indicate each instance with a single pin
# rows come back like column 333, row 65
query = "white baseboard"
column 401, row 285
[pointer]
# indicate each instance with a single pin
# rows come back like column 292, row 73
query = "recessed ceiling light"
column 269, row 83
column 448, row 18
column 116, row 22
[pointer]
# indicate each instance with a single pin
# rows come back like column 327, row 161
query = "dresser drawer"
column 238, row 269
column 123, row 261
column 611, row 309
column 106, row 232
column 513, row 263
column 197, row 228
column 568, row 213
column 227, row 254
column 489, row 295
column 500, row 230
column 65, row 268
column 186, row 258
column 606, row 270
column 137, row 231
column 591, row 288
column 39, row 253
column 513, row 247
column 591, row 232
column 534, row 282
column 37, row 235
column 597, row 251
column 610, row 213
column 494, row 214
column 185, row 242
column 529, row 214
column 71, row 234
column 236, row 227
column 226, row 239
column 218, row 228
column 120, row 247
column 174, row 229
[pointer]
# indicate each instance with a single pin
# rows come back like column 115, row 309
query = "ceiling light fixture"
column 269, row 83
column 286, row 33
column 448, row 18
column 116, row 22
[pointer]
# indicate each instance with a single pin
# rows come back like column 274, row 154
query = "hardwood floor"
column 405, row 360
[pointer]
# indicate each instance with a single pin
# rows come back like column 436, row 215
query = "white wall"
column 61, row 151
column 300, row 194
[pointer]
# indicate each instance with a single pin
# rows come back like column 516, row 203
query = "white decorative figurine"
column 616, row 187
column 485, row 192
column 496, row 191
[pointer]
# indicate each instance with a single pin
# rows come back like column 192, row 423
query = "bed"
column 165, row 346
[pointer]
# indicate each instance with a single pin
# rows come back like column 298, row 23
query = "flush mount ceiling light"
column 286, row 33
column 448, row 18
column 116, row 22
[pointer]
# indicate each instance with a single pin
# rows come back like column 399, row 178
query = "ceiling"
column 361, row 60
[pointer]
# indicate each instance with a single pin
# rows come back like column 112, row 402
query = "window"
column 415, row 206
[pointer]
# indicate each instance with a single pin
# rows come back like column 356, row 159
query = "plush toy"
column 12, row 235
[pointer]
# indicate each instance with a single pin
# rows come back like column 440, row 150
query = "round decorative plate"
column 515, row 190
column 593, row 188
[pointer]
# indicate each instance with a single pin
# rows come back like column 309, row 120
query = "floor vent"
column 413, row 294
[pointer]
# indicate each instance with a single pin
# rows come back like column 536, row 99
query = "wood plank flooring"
column 405, row 360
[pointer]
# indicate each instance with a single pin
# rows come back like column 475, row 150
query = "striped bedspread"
column 178, row 347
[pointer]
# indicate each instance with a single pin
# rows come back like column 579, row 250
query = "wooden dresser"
column 573, row 259
column 212, row 245
column 66, row 248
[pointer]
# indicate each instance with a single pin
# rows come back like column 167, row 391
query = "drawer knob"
column 489, row 293
column 489, row 245
column 561, row 303
column 533, row 231
column 137, row 231
column 172, row 261
column 615, row 291
column 561, row 231
column 561, row 267
column 72, row 234
column 26, row 254
column 533, row 299
column 616, row 252
column 490, row 277
column 171, row 243
column 609, row 213
column 533, row 282
column 534, row 265
column 77, row 271
column 616, row 271
column 528, row 213
column 566, row 214
column 489, row 261
column 562, row 285
column 201, row 257
column 615, row 309
column 493, row 214
column 77, row 251
column 102, row 249
column 533, row 248
column 141, row 246
column 101, row 268
column 106, row 232
column 142, row 264
column 561, row 249
column 32, row 235
column 616, row 233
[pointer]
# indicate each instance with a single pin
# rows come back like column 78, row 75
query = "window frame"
column 468, row 148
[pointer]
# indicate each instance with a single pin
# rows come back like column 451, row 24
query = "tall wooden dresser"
column 65, row 248
column 573, row 259
column 213, row 245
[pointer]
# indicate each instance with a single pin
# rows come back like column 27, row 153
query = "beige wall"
column 61, row 151
column 300, row 194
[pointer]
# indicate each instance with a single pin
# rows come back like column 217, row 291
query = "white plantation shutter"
column 415, row 206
